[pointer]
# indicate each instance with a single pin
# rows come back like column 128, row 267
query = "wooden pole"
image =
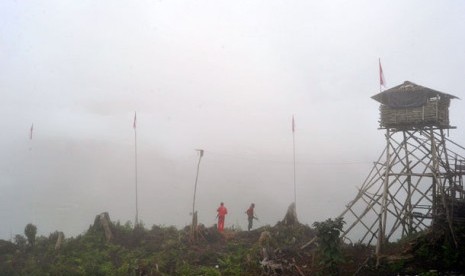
column 194, row 214
column 383, row 209
column 409, row 214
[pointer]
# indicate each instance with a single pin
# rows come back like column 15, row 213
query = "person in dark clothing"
column 250, row 215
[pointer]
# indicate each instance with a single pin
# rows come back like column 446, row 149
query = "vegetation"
column 330, row 250
column 269, row 250
column 30, row 231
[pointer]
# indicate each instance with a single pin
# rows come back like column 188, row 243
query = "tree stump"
column 291, row 216
column 59, row 241
column 103, row 220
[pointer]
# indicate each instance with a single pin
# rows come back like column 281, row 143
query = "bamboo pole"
column 383, row 209
column 194, row 213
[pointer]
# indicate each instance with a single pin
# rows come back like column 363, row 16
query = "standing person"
column 250, row 215
column 222, row 211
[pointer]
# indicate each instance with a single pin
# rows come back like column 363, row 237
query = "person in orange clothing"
column 222, row 211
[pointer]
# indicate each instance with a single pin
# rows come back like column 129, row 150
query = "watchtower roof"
column 409, row 95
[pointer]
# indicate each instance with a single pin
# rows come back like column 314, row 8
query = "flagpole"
column 196, row 178
column 34, row 212
column 293, row 147
column 30, row 136
column 194, row 213
column 135, row 168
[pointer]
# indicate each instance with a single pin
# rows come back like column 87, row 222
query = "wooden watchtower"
column 418, row 179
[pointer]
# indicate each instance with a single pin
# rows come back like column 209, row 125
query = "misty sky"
column 223, row 76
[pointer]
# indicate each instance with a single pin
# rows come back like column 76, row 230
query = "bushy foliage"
column 167, row 251
column 20, row 242
column 30, row 231
column 437, row 250
column 189, row 270
column 131, row 251
column 329, row 244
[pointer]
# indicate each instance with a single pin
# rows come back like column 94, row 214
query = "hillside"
column 282, row 249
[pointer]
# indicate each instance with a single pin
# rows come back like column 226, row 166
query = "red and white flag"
column 30, row 132
column 134, row 125
column 382, row 81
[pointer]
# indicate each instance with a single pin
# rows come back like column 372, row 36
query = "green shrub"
column 329, row 245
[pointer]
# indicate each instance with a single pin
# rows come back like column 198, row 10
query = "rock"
column 265, row 239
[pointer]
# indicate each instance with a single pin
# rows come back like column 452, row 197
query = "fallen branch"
column 298, row 270
column 308, row 243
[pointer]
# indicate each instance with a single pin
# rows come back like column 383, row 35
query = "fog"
column 223, row 76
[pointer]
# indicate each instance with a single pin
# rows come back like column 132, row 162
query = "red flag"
column 134, row 125
column 293, row 124
column 30, row 133
column 382, row 81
